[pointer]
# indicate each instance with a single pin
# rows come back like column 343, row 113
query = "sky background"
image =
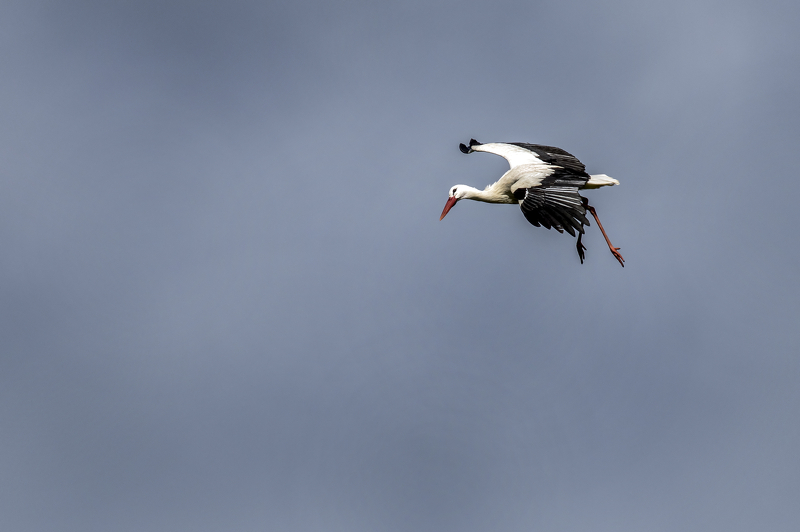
column 228, row 302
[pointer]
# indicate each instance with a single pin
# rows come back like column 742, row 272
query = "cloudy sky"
column 228, row 302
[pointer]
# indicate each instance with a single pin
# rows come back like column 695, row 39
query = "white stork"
column 544, row 181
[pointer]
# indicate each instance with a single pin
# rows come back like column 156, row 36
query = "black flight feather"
column 556, row 157
column 561, row 208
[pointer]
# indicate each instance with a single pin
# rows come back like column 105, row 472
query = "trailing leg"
column 614, row 251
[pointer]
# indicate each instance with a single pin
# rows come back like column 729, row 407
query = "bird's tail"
column 600, row 180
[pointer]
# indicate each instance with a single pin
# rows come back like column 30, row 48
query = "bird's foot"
column 615, row 252
column 581, row 248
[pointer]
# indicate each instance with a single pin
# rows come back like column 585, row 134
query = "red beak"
column 447, row 206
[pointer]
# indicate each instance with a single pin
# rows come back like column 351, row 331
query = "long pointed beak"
column 447, row 206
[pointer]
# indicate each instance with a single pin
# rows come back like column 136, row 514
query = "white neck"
column 489, row 195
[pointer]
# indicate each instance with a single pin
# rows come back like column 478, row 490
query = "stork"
column 544, row 181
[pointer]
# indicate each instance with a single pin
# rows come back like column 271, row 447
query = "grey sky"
column 228, row 303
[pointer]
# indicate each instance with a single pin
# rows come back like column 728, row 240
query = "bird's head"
column 456, row 193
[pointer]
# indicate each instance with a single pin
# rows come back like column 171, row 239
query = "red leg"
column 614, row 251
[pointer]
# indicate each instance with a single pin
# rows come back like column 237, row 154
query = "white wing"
column 515, row 155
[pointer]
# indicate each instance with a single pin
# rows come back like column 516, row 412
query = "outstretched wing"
column 554, row 203
column 521, row 153
column 555, row 157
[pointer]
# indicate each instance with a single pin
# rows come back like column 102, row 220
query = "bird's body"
column 544, row 181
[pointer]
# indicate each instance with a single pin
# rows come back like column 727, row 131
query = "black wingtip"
column 468, row 149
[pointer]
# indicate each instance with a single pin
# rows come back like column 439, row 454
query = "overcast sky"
column 228, row 302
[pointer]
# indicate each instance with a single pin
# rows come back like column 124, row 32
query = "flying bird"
column 544, row 181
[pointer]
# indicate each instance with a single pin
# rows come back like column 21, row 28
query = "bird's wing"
column 521, row 153
column 553, row 202
column 514, row 154
column 555, row 157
